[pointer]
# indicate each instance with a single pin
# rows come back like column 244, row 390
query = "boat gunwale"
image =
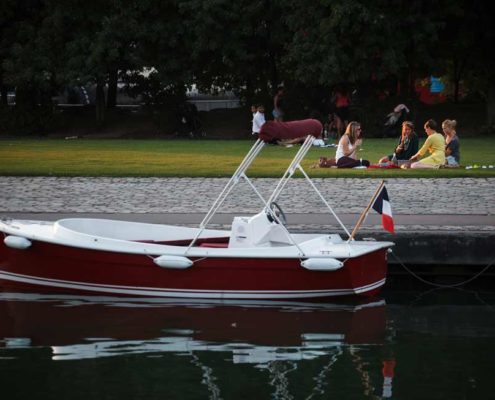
column 98, row 243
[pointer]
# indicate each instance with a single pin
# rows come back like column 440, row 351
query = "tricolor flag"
column 382, row 206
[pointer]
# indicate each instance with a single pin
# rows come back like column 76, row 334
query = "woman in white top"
column 346, row 155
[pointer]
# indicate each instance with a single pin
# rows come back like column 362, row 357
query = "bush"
column 27, row 122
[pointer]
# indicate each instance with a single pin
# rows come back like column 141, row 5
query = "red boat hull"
column 47, row 267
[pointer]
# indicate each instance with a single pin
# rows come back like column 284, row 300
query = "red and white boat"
column 258, row 258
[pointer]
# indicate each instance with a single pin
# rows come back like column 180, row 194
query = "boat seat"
column 215, row 245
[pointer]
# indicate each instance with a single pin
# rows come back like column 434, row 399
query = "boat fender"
column 322, row 264
column 17, row 242
column 176, row 262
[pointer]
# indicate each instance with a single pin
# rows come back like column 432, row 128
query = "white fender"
column 17, row 242
column 322, row 264
column 176, row 262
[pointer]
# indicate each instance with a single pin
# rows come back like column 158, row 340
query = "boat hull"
column 48, row 267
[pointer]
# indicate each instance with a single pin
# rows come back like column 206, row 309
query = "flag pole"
column 366, row 210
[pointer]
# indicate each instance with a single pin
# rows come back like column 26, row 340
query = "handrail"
column 240, row 172
column 289, row 172
column 324, row 200
column 296, row 164
column 291, row 168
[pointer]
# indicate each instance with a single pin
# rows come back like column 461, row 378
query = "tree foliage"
column 159, row 48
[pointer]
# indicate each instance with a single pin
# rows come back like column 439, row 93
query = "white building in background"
column 208, row 102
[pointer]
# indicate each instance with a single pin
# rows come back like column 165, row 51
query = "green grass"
column 205, row 158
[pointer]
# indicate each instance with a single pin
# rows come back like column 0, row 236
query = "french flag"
column 382, row 206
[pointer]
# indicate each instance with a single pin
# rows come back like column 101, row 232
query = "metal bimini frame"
column 238, row 174
column 296, row 164
column 241, row 173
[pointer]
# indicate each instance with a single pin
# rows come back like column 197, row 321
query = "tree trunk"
column 456, row 90
column 490, row 105
column 249, row 93
column 459, row 67
column 274, row 75
column 3, row 96
column 112, row 89
column 406, row 82
column 100, row 103
column 3, row 92
column 26, row 97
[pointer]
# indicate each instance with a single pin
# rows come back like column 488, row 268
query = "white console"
column 257, row 231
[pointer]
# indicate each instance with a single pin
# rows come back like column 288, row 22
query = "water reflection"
column 281, row 350
column 253, row 332
column 274, row 337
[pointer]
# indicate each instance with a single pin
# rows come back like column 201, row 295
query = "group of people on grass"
column 437, row 151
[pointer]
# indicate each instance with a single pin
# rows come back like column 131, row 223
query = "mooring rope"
column 473, row 292
column 440, row 285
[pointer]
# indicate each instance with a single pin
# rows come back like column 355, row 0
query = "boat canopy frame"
column 289, row 172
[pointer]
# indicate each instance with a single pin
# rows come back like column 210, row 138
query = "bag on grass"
column 326, row 162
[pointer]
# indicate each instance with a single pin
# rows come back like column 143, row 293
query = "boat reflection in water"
column 157, row 348
column 273, row 336
column 255, row 332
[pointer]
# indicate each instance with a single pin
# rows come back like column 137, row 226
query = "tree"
column 472, row 48
column 236, row 45
column 159, row 48
column 25, row 65
column 161, row 52
column 356, row 41
column 464, row 49
column 7, row 20
column 99, row 37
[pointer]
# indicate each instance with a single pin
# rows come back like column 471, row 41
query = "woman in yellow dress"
column 434, row 144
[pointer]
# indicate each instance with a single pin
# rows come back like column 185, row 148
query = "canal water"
column 412, row 344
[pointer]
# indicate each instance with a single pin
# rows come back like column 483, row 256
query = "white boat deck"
column 148, row 239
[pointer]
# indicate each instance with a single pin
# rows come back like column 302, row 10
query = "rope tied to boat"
column 438, row 285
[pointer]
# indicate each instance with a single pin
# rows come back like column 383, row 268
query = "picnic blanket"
column 389, row 166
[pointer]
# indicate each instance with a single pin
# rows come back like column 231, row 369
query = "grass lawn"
column 207, row 158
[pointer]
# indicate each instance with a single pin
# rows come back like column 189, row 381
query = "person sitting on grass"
column 408, row 144
column 452, row 146
column 434, row 144
column 346, row 155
